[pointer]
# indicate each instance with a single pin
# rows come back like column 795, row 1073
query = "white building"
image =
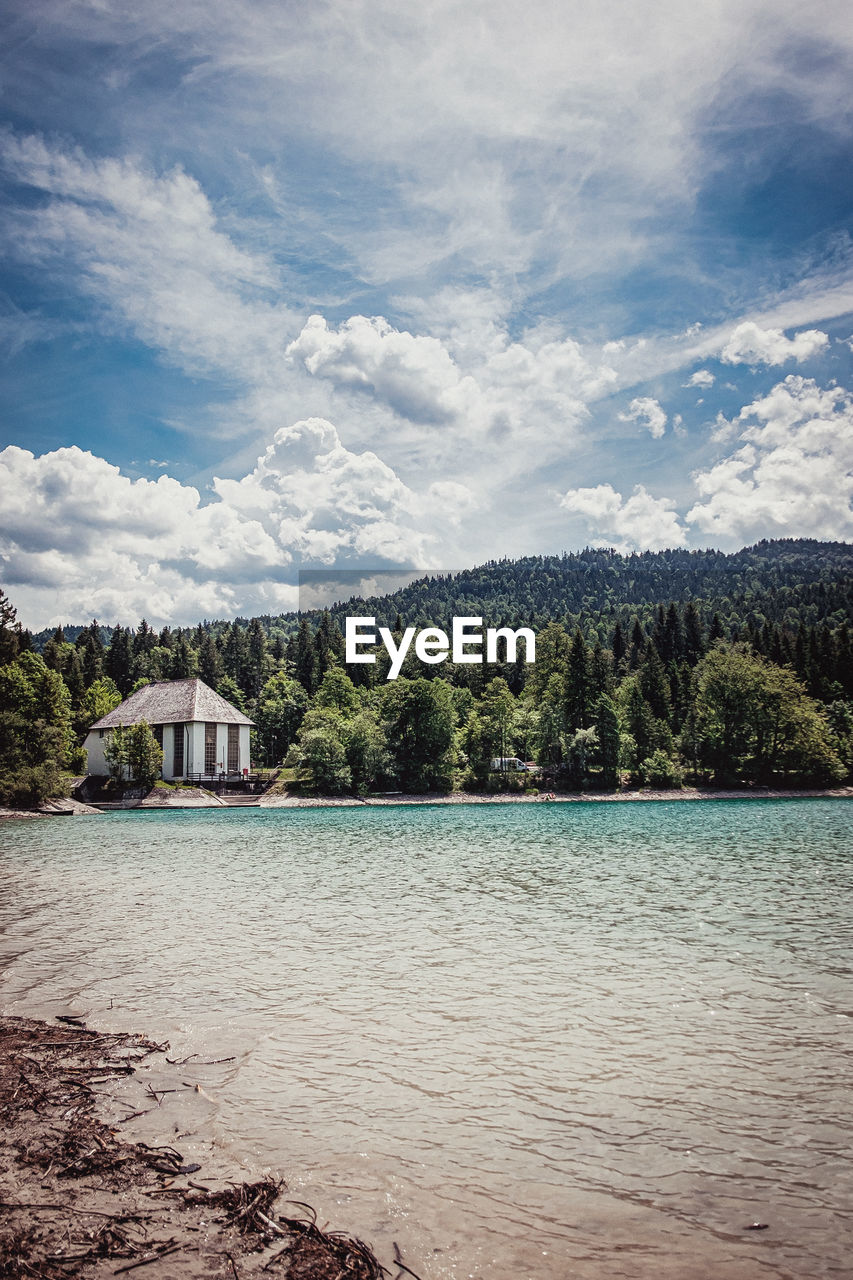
column 201, row 734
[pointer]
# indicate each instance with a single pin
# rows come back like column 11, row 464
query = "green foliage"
column 27, row 786
column 755, row 720
column 10, row 631
column 100, row 698
column 366, row 750
column 660, row 771
column 338, row 693
column 278, row 715
column 582, row 748
column 115, row 751
column 420, row 722
column 144, row 754
column 231, row 692
column 320, row 753
column 35, row 731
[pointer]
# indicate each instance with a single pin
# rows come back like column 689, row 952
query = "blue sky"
column 372, row 285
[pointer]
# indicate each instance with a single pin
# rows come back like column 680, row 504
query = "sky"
column 373, row 285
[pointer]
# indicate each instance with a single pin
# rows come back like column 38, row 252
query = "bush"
column 658, row 770
column 29, row 785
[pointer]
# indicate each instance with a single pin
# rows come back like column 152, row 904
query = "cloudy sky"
column 362, row 283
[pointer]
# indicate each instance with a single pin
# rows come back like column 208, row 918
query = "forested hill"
column 652, row 667
column 789, row 583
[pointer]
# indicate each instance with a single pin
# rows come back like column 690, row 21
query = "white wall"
column 94, row 747
column 193, row 749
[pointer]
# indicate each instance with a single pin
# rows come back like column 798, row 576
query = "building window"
column 178, row 757
column 210, row 748
column 157, row 730
column 233, row 748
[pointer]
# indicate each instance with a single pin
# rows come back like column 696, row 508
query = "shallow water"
column 522, row 1041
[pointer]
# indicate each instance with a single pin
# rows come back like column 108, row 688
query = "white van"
column 508, row 764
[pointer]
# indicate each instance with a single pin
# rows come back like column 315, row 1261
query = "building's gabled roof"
column 173, row 702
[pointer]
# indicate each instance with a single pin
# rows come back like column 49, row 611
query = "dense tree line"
column 741, row 668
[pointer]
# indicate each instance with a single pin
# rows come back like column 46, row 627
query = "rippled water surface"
column 534, row 1041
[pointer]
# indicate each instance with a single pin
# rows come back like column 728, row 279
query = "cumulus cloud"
column 792, row 475
column 415, row 376
column 505, row 386
column 748, row 343
column 325, row 503
column 637, row 523
column 701, row 378
column 76, row 535
column 648, row 413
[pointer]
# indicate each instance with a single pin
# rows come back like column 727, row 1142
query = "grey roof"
column 173, row 702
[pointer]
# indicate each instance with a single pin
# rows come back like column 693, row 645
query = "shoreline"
column 78, row 1196
column 73, row 808
column 502, row 798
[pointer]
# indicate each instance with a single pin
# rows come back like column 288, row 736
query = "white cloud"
column 496, row 129
column 701, row 378
column 750, row 344
column 648, row 413
column 534, row 385
column 640, row 522
column 77, row 536
column 327, row 504
column 415, row 376
column 148, row 247
column 495, row 145
column 792, row 475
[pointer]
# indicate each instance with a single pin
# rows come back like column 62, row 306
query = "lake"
column 563, row 1040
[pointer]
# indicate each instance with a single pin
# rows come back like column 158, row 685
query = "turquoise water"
column 591, row 1040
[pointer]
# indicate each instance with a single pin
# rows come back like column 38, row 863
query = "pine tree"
column 638, row 646
column 144, row 754
column 673, row 637
column 57, row 651
column 607, row 728
column 654, row 685
column 10, row 630
column 183, row 664
column 305, row 662
column 210, row 665
column 620, row 648
column 118, row 660
column 578, row 684
column 600, row 674
column 694, row 645
column 258, row 663
column 144, row 640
